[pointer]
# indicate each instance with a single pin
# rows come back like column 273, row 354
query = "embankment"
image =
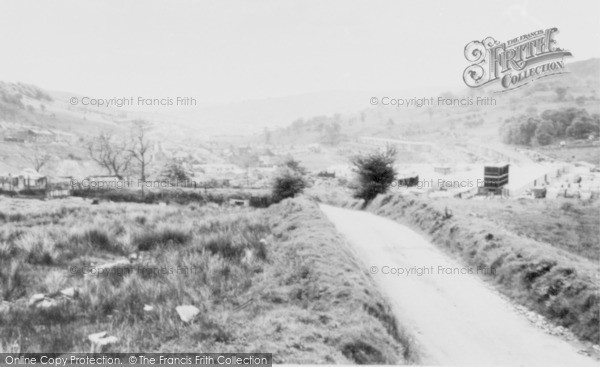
column 331, row 300
column 555, row 283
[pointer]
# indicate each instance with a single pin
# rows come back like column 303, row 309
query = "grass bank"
column 555, row 279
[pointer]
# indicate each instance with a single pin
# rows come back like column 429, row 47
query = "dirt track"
column 456, row 318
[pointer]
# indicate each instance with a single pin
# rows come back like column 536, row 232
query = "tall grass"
column 278, row 280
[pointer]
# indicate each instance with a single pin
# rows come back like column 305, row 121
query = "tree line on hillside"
column 532, row 129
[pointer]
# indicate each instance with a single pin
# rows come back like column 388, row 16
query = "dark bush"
column 287, row 185
column 375, row 173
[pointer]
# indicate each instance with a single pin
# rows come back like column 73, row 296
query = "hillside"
column 35, row 119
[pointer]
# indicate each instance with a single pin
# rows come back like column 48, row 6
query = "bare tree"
column 110, row 154
column 140, row 149
column 39, row 159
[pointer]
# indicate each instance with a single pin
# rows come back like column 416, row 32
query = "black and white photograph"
column 297, row 182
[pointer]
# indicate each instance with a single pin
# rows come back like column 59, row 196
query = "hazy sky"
column 222, row 51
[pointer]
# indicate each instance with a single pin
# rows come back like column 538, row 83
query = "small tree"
column 140, row 148
column 39, row 159
column 174, row 171
column 287, row 185
column 110, row 153
column 375, row 173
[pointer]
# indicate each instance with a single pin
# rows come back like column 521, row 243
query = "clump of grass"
column 37, row 248
column 55, row 281
column 97, row 238
column 234, row 247
column 18, row 217
column 89, row 240
column 160, row 238
column 11, row 278
column 223, row 245
column 7, row 250
column 140, row 219
column 15, row 217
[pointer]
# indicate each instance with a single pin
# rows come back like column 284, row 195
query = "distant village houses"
column 28, row 179
column 34, row 135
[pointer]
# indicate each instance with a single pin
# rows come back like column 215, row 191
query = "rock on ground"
column 187, row 312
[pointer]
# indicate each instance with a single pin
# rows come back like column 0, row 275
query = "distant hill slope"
column 586, row 69
column 31, row 106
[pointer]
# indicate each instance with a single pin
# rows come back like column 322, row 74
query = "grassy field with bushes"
column 277, row 280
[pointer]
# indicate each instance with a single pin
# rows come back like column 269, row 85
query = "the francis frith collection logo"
column 516, row 62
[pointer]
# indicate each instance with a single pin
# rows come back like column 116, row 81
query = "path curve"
column 456, row 319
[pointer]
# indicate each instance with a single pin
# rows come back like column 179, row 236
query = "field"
column 565, row 224
column 277, row 280
column 574, row 154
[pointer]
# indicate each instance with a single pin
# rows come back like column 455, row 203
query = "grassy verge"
column 274, row 280
column 318, row 273
column 558, row 284
column 567, row 224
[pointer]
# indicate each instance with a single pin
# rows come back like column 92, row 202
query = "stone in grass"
column 70, row 292
column 148, row 308
column 101, row 340
column 36, row 298
column 47, row 303
column 187, row 312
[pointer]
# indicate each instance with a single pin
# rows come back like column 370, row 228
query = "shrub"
column 375, row 173
column 287, row 185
